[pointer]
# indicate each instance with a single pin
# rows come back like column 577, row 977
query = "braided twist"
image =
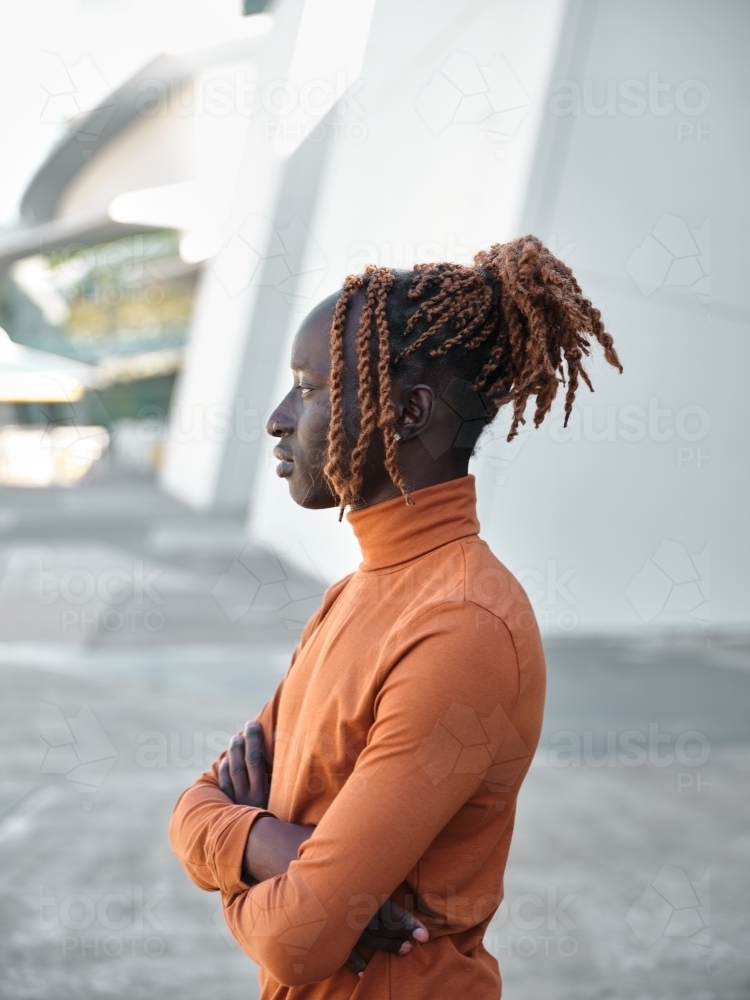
column 518, row 311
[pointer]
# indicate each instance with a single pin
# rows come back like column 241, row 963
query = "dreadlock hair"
column 512, row 326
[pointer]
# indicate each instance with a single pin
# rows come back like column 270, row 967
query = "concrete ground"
column 135, row 636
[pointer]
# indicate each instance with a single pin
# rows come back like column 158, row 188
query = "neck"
column 387, row 490
column 393, row 532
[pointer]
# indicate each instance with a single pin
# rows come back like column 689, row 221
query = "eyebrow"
column 306, row 366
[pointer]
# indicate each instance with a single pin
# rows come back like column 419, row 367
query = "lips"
column 286, row 463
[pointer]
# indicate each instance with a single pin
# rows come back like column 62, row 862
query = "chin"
column 310, row 493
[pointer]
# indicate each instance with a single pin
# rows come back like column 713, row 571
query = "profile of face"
column 302, row 418
column 465, row 352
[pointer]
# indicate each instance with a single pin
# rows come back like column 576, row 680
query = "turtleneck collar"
column 394, row 532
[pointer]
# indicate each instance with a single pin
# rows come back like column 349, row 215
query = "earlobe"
column 416, row 410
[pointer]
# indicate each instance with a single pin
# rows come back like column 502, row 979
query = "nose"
column 280, row 423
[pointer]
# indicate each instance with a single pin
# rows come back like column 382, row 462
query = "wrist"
column 271, row 847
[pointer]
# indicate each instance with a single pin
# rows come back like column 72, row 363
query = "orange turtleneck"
column 402, row 730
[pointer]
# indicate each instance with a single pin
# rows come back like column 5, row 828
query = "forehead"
column 311, row 345
column 311, row 348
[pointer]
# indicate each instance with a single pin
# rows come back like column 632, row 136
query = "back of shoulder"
column 329, row 599
column 491, row 586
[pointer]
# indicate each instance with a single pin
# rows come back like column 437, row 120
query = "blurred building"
column 585, row 123
column 103, row 265
column 348, row 133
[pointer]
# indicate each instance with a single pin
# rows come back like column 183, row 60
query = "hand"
column 243, row 774
column 243, row 777
column 392, row 929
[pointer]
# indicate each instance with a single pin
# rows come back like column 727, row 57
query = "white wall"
column 635, row 520
column 398, row 188
column 249, row 291
column 607, row 528
column 204, row 420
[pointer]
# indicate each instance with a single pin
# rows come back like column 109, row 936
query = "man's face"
column 301, row 419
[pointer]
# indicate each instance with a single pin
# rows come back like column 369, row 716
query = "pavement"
column 137, row 635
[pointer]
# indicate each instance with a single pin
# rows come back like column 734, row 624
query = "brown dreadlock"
column 514, row 325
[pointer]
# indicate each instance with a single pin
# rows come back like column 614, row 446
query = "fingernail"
column 405, row 948
column 420, row 934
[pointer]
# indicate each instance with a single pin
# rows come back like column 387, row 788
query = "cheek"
column 312, row 429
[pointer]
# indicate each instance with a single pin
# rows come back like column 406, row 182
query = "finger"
column 401, row 917
column 356, row 963
column 237, row 768
column 225, row 782
column 392, row 920
column 395, row 946
column 255, row 765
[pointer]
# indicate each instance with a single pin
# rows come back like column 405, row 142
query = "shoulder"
column 497, row 595
column 453, row 645
column 490, row 585
column 330, row 596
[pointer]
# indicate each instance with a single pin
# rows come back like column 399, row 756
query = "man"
column 399, row 738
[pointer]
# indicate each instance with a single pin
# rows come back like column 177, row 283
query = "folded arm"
column 241, row 778
column 441, row 719
column 209, row 829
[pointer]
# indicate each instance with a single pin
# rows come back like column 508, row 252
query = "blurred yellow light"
column 31, row 376
column 49, row 456
column 36, row 387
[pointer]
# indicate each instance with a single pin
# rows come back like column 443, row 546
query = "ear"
column 414, row 409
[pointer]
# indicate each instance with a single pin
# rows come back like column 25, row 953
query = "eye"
column 305, row 389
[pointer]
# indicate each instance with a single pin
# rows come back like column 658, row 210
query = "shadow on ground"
column 137, row 636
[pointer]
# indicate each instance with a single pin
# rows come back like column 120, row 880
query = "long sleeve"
column 207, row 831
column 442, row 728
